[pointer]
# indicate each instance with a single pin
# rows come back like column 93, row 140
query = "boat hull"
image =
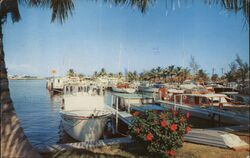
column 123, row 90
column 84, row 129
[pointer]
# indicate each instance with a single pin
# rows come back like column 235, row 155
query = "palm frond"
column 9, row 7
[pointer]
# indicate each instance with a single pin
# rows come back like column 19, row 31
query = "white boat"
column 123, row 90
column 84, row 116
column 85, row 125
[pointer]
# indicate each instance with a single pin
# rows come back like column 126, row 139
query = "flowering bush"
column 160, row 132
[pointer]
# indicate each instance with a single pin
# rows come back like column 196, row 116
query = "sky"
column 100, row 35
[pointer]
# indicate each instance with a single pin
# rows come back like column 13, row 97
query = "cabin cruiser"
column 84, row 116
column 123, row 88
column 216, row 107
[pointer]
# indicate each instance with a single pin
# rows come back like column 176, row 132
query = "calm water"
column 37, row 111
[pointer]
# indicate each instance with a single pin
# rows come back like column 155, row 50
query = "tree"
column 201, row 76
column 119, row 75
column 184, row 74
column 71, row 73
column 81, row 75
column 194, row 65
column 95, row 75
column 103, row 72
column 214, row 77
column 243, row 69
column 13, row 140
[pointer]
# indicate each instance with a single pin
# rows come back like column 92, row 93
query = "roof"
column 210, row 95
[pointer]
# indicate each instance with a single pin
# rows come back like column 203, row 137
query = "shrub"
column 160, row 133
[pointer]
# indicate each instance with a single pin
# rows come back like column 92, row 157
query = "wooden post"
column 181, row 100
column 112, row 99
column 154, row 96
column 116, row 117
column 160, row 93
column 128, row 106
column 174, row 102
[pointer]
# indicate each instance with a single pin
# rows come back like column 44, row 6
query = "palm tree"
column 201, row 76
column 13, row 140
column 71, row 73
column 184, row 74
column 95, row 74
column 103, row 72
column 178, row 70
column 243, row 69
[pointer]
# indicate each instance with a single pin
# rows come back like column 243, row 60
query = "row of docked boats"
column 88, row 105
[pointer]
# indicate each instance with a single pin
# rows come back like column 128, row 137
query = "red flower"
column 170, row 152
column 149, row 137
column 138, row 130
column 164, row 123
column 173, row 127
column 187, row 115
column 136, row 113
column 174, row 112
column 187, row 129
column 182, row 120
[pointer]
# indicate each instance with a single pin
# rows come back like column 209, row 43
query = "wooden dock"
column 87, row 144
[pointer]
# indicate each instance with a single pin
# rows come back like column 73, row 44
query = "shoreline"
column 26, row 78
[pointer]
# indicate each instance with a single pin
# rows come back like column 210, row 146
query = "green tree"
column 243, row 69
column 103, row 72
column 81, row 75
column 71, row 73
column 214, row 77
column 201, row 75
column 194, row 65
column 119, row 75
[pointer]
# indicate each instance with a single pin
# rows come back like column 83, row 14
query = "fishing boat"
column 84, row 116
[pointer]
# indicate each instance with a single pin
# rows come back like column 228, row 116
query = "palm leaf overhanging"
column 62, row 9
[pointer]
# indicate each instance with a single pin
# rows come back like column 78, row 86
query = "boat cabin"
column 125, row 100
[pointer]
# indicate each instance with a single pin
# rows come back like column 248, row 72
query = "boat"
column 214, row 107
column 151, row 89
column 84, row 116
column 123, row 88
column 85, row 125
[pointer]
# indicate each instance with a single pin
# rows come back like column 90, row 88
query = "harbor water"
column 38, row 112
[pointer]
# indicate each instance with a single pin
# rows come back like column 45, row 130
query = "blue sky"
column 100, row 35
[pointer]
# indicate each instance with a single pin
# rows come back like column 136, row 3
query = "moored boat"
column 84, row 116
column 85, row 125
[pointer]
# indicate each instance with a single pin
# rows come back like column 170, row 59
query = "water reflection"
column 38, row 112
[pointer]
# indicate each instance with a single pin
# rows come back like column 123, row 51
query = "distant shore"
column 26, row 78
